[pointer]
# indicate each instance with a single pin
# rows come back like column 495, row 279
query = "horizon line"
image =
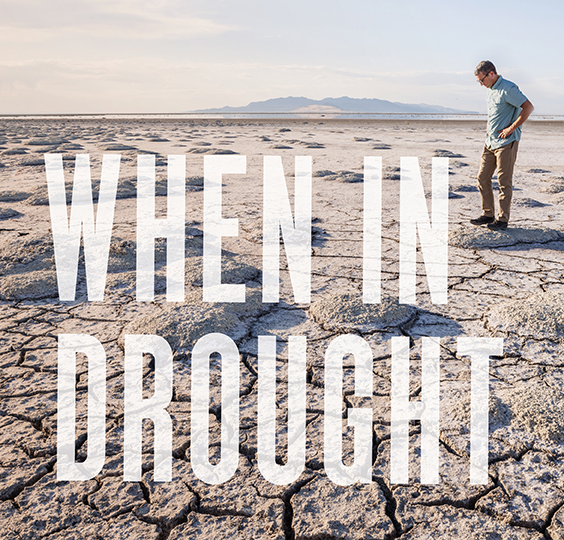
column 294, row 114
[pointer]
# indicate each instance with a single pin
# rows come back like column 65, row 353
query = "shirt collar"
column 498, row 82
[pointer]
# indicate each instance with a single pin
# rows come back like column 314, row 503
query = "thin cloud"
column 33, row 21
column 148, row 84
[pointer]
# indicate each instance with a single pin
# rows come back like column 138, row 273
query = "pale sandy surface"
column 500, row 284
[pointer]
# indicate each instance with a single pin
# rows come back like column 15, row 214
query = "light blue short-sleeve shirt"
column 504, row 106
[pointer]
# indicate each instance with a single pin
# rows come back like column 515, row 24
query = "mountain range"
column 334, row 106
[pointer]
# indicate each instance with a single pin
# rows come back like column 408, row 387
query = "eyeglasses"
column 481, row 81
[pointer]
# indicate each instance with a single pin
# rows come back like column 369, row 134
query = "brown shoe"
column 498, row 226
column 482, row 220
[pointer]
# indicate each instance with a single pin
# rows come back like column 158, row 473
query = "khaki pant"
column 502, row 159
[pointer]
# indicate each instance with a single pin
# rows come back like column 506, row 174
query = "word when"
column 277, row 217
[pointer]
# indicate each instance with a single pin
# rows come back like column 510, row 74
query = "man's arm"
column 527, row 109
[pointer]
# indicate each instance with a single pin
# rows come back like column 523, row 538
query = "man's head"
column 486, row 73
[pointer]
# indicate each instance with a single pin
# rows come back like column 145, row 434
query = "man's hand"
column 527, row 109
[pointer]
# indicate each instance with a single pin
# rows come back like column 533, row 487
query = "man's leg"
column 488, row 165
column 505, row 156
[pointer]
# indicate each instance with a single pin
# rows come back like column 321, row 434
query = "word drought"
column 277, row 218
column 137, row 408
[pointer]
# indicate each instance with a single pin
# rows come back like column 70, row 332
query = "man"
column 508, row 109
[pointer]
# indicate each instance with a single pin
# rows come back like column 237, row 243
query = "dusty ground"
column 500, row 284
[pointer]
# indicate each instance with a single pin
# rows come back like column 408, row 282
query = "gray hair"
column 485, row 66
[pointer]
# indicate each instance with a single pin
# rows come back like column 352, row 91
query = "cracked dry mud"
column 504, row 284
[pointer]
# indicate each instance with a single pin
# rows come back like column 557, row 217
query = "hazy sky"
column 69, row 56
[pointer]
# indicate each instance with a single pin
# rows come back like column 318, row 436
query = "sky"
column 165, row 56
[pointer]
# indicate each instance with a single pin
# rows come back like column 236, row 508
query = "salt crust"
column 345, row 312
column 540, row 316
column 481, row 237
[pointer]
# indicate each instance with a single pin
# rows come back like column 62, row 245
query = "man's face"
column 486, row 79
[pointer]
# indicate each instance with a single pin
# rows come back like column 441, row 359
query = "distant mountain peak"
column 330, row 105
